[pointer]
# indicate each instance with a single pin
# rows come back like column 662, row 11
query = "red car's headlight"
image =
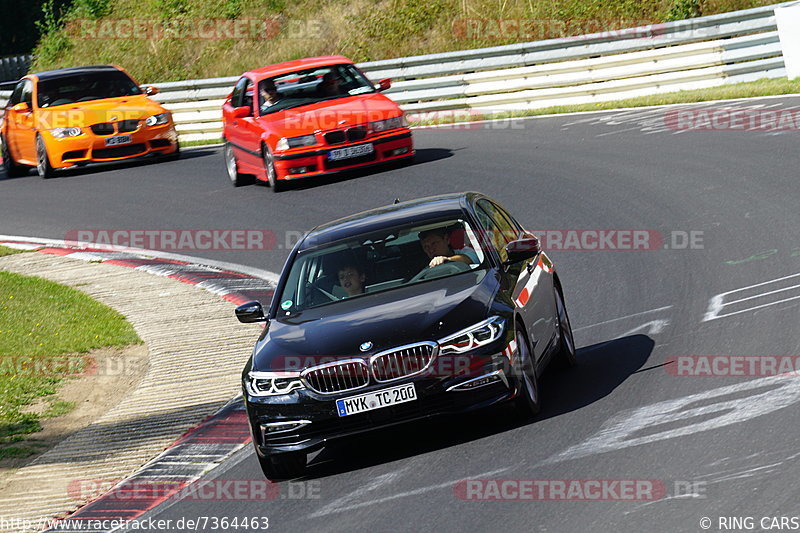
column 295, row 142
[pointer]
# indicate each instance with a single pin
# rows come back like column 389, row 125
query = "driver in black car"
column 437, row 246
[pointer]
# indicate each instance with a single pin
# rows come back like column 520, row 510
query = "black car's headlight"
column 157, row 120
column 467, row 339
column 296, row 142
column 272, row 383
column 388, row 124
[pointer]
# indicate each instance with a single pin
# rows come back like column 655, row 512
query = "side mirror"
column 521, row 249
column 21, row 107
column 384, row 84
column 241, row 112
column 250, row 312
column 150, row 90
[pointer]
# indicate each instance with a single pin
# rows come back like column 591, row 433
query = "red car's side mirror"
column 241, row 112
column 384, row 84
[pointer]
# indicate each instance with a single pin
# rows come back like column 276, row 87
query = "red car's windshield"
column 309, row 86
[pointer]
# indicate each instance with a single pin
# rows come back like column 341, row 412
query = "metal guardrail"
column 681, row 55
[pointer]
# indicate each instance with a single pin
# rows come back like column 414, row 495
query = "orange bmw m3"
column 73, row 116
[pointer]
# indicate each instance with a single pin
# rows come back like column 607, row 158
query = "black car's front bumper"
column 317, row 420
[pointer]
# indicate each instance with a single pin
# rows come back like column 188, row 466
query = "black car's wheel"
column 566, row 350
column 237, row 179
column 43, row 166
column 269, row 168
column 12, row 169
column 527, row 401
column 283, row 466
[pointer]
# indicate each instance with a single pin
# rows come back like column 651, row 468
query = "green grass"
column 40, row 321
column 363, row 30
column 4, row 250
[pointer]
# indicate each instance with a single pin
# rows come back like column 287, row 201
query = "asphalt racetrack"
column 723, row 280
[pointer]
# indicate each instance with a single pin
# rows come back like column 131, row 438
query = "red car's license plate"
column 350, row 151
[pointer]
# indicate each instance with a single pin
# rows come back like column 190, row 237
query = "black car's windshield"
column 310, row 86
column 84, row 87
column 380, row 262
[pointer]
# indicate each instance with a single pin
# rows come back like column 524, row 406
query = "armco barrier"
column 681, row 55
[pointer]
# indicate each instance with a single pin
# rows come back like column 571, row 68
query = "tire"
column 13, row 170
column 566, row 342
column 283, row 466
column 237, row 179
column 43, row 167
column 269, row 169
column 527, row 401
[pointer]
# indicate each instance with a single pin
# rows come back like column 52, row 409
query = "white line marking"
column 623, row 318
column 329, row 510
column 717, row 303
column 707, row 410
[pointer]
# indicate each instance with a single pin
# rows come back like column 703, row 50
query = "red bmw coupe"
column 310, row 117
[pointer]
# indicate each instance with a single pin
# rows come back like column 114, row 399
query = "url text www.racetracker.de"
column 198, row 523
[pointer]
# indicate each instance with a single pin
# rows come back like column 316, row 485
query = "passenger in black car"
column 351, row 279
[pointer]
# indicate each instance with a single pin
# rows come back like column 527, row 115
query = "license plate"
column 376, row 400
column 350, row 151
column 119, row 139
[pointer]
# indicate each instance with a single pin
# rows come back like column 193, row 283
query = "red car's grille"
column 356, row 133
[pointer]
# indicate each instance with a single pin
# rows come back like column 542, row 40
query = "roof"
column 429, row 208
column 298, row 64
column 72, row 71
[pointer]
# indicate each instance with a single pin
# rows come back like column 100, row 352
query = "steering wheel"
column 325, row 293
column 449, row 267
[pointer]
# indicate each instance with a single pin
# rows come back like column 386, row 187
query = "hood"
column 424, row 311
column 331, row 114
column 84, row 114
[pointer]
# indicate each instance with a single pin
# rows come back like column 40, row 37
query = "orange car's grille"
column 124, row 126
column 103, row 128
column 119, row 151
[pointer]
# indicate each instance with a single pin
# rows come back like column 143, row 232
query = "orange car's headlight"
column 157, row 120
column 60, row 133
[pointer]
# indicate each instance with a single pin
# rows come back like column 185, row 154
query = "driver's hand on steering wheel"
column 438, row 260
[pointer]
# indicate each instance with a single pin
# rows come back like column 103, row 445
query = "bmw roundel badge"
column 365, row 347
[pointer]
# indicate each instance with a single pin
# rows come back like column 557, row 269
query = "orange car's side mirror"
column 150, row 90
column 21, row 107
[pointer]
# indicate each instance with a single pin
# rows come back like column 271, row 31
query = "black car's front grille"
column 103, row 128
column 119, row 151
column 125, row 126
column 343, row 376
column 402, row 362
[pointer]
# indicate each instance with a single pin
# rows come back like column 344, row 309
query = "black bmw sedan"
column 426, row 307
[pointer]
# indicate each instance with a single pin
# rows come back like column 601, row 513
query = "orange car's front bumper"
column 69, row 151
